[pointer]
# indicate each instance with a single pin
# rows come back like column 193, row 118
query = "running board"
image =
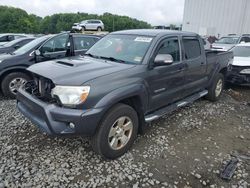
column 168, row 109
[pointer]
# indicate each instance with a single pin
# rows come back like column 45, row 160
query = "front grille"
column 41, row 88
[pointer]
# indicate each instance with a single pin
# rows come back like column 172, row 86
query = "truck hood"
column 223, row 47
column 77, row 70
column 241, row 61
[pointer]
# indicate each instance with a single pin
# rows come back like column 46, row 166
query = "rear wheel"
column 117, row 132
column 215, row 90
column 12, row 82
column 99, row 29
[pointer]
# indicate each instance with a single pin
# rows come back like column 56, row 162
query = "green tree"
column 17, row 20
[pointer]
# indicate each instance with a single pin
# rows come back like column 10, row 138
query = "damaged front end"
column 239, row 75
column 36, row 102
column 41, row 88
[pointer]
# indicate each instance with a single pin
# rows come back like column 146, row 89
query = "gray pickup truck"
column 127, row 79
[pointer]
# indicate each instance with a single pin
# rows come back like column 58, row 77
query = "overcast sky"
column 156, row 12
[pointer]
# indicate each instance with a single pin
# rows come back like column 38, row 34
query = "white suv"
column 89, row 25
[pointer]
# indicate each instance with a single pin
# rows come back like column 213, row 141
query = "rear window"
column 191, row 47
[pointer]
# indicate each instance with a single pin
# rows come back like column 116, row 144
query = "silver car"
column 228, row 42
column 85, row 25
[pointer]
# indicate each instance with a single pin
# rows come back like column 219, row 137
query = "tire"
column 99, row 29
column 9, row 79
column 216, row 88
column 83, row 29
column 103, row 139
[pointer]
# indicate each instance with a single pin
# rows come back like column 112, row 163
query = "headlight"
column 71, row 95
column 245, row 71
column 1, row 61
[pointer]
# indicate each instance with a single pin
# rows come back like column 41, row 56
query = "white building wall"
column 217, row 17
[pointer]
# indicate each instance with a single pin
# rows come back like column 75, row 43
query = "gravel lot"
column 186, row 149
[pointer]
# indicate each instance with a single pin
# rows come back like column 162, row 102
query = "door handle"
column 202, row 63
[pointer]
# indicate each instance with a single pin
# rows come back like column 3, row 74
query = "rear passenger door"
column 90, row 25
column 83, row 43
column 167, row 82
column 194, row 57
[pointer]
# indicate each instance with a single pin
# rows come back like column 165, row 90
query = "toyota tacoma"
column 124, row 81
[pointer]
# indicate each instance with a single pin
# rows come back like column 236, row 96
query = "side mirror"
column 37, row 52
column 242, row 42
column 163, row 59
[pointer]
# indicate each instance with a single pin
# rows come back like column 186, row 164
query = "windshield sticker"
column 143, row 39
column 138, row 59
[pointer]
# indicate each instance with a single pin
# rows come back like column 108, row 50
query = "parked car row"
column 7, row 37
column 13, row 65
column 13, row 45
column 228, row 42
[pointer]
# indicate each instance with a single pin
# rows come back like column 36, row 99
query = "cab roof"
column 154, row 32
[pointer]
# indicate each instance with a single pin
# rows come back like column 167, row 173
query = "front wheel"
column 83, row 29
column 12, row 82
column 216, row 88
column 117, row 132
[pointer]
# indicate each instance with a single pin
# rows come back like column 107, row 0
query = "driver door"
column 166, row 83
column 55, row 48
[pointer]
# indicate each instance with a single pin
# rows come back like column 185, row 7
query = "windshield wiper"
column 113, row 59
column 91, row 55
column 106, row 58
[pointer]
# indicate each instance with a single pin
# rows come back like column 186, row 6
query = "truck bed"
column 214, row 57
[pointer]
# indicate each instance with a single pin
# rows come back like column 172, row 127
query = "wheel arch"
column 11, row 70
column 223, row 71
column 134, row 95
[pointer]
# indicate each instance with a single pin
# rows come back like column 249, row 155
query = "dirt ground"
column 187, row 148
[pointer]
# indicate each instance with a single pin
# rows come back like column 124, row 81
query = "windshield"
column 241, row 51
column 30, row 46
column 126, row 48
column 228, row 40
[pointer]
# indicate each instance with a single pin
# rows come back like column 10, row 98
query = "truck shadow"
column 3, row 98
